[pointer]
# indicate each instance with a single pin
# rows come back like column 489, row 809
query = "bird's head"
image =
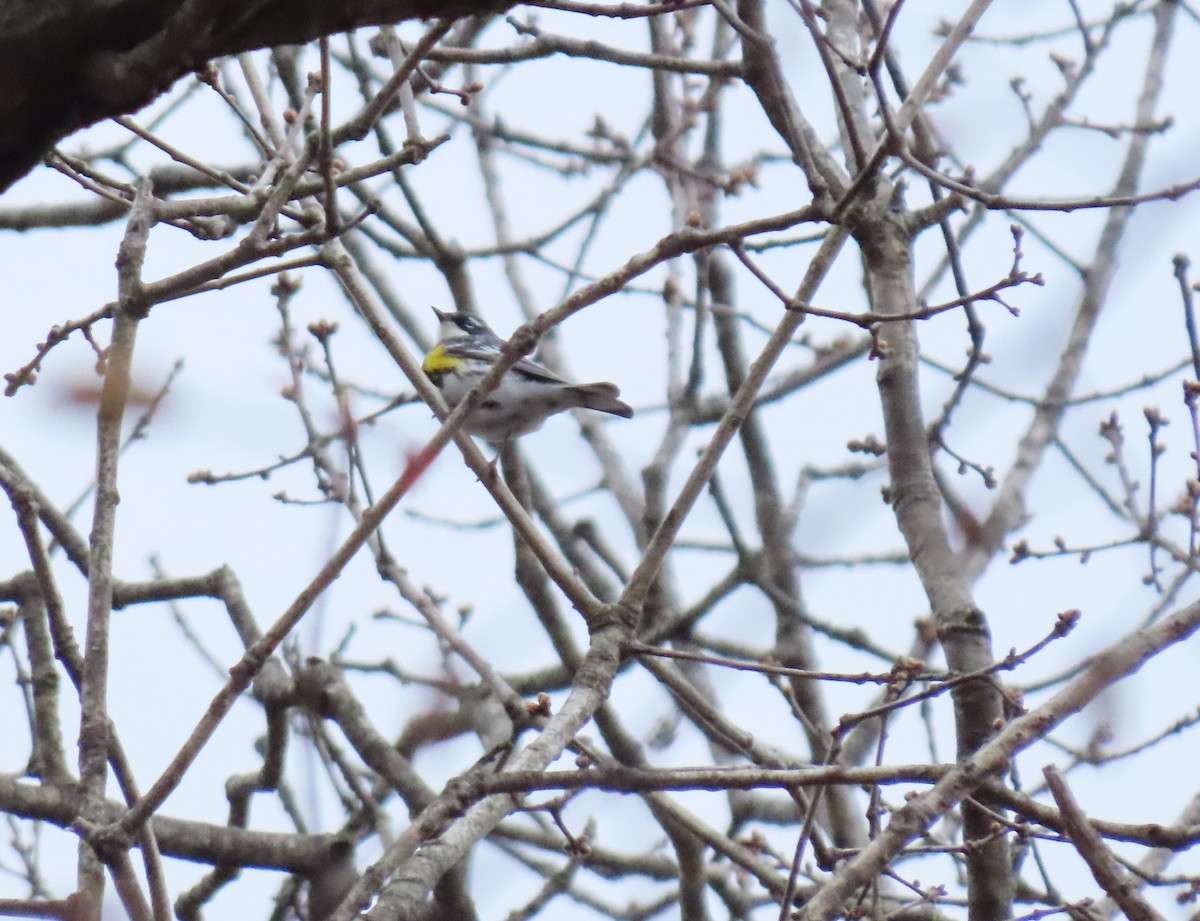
column 452, row 325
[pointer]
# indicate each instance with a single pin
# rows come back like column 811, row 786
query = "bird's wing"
column 531, row 368
column 524, row 366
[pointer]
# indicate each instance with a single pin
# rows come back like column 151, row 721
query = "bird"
column 527, row 394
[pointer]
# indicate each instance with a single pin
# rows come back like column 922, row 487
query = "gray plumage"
column 526, row 396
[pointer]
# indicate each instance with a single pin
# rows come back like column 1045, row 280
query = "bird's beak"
column 442, row 317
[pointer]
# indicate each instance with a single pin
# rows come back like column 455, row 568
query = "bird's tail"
column 602, row 396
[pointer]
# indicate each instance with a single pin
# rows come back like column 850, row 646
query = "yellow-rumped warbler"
column 527, row 394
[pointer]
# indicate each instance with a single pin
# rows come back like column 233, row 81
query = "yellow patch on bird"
column 438, row 361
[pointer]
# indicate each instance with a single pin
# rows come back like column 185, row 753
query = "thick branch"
column 66, row 65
